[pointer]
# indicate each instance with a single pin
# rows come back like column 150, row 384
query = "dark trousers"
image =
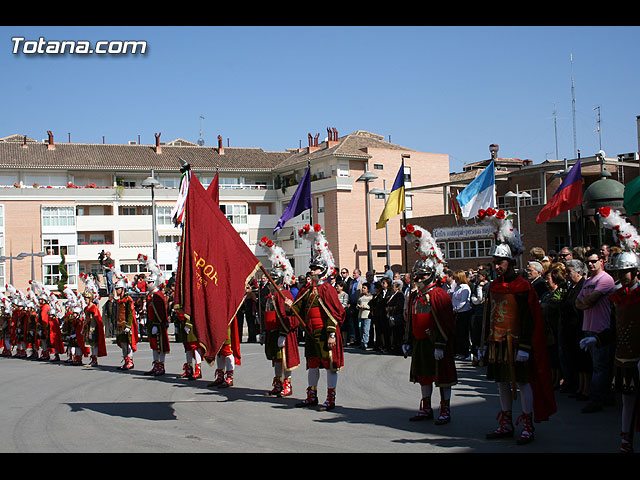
column 463, row 333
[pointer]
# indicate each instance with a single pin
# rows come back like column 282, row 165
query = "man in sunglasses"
column 565, row 255
column 594, row 302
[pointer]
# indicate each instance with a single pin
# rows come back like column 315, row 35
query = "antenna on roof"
column 201, row 140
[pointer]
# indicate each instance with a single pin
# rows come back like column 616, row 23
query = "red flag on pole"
column 214, row 190
column 214, row 265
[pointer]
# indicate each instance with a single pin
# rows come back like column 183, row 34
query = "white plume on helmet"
column 279, row 260
column 155, row 274
column 508, row 241
column 319, row 247
column 626, row 237
column 425, row 246
column 73, row 303
column 90, row 287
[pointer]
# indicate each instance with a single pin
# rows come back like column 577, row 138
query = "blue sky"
column 441, row 89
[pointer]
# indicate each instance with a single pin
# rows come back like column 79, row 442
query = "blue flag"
column 300, row 201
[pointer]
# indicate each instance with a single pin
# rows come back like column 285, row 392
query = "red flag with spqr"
column 214, row 266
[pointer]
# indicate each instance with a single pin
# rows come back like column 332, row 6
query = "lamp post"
column 32, row 255
column 152, row 183
column 367, row 177
column 385, row 192
column 11, row 258
column 517, row 196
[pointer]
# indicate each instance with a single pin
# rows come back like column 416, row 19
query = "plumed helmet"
column 91, row 291
column 321, row 257
column 508, row 241
column 431, row 262
column 281, row 269
column 155, row 274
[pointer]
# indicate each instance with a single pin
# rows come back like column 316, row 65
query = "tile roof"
column 134, row 157
column 352, row 145
column 111, row 157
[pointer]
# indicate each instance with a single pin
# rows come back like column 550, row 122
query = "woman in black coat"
column 378, row 314
column 395, row 314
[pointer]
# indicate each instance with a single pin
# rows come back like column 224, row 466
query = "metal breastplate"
column 90, row 327
column 122, row 320
column 503, row 319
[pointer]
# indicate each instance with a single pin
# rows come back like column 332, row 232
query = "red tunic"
column 332, row 315
column 442, row 327
column 157, row 316
column 287, row 324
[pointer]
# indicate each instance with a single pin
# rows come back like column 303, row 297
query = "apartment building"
column 82, row 199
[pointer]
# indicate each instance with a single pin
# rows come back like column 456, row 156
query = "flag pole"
column 271, row 281
column 566, row 167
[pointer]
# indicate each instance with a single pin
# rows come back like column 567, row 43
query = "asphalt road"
column 61, row 408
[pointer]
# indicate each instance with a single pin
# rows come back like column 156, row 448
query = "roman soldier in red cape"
column 318, row 306
column 43, row 326
column 73, row 328
column 430, row 327
column 514, row 337
column 280, row 326
column 56, row 344
column 19, row 318
column 126, row 321
column 625, row 266
column 93, row 329
column 48, row 326
column 157, row 316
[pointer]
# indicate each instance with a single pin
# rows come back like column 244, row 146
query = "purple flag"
column 300, row 201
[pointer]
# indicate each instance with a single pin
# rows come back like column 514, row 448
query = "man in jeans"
column 594, row 302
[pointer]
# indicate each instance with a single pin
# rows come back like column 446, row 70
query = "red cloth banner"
column 214, row 265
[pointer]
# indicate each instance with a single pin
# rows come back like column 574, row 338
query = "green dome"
column 604, row 193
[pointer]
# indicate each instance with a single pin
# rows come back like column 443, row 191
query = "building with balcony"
column 82, row 199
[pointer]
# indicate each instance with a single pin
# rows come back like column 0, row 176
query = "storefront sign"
column 462, row 232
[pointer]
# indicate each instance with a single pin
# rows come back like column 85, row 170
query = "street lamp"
column 32, row 255
column 377, row 191
column 11, row 258
column 367, row 177
column 152, row 183
column 517, row 196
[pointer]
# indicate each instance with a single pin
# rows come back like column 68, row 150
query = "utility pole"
column 598, row 129
column 573, row 108
column 555, row 127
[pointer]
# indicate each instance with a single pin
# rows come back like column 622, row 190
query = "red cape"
column 102, row 346
column 544, row 400
column 55, row 336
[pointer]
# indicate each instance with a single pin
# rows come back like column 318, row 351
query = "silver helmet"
column 623, row 261
column 321, row 263
column 501, row 250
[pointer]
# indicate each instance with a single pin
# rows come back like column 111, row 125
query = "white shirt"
column 460, row 298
